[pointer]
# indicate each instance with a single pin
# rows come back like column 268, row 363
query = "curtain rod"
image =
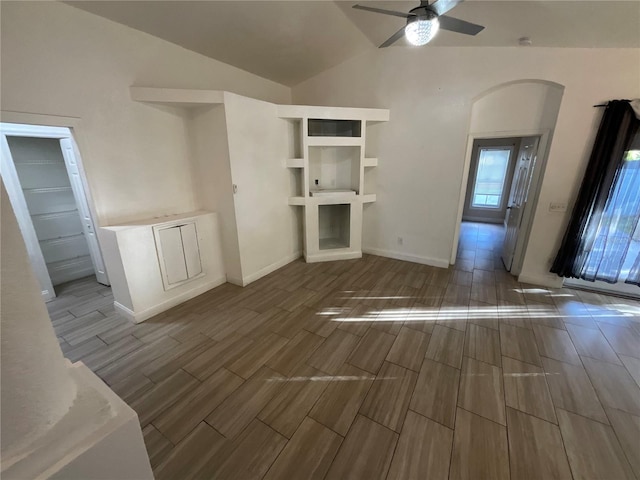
column 607, row 104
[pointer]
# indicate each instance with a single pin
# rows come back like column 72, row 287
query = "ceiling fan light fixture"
column 420, row 31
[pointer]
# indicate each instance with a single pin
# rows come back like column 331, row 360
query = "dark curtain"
column 587, row 250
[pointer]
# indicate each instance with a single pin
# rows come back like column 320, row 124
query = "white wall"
column 36, row 391
column 58, row 60
column 421, row 151
column 210, row 151
column 268, row 228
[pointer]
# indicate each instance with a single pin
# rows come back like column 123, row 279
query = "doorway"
column 43, row 176
column 498, row 187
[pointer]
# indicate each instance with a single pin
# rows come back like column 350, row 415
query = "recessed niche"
column 370, row 181
column 334, row 128
column 296, row 182
column 371, row 142
column 334, row 168
column 294, row 134
column 334, row 226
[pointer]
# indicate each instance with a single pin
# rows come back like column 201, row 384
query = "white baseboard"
column 235, row 281
column 166, row 305
column 434, row 262
column 124, row 311
column 246, row 280
column 328, row 257
column 551, row 281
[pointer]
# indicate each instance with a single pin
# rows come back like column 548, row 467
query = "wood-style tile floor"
column 373, row 369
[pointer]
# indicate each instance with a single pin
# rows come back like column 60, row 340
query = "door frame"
column 534, row 191
column 13, row 124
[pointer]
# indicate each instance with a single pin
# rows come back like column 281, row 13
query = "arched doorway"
column 526, row 111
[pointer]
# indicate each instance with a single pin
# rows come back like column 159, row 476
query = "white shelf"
column 295, row 163
column 333, row 113
column 334, row 141
column 296, row 201
column 370, row 162
column 335, row 199
column 333, row 243
column 332, row 193
column 179, row 97
column 332, row 255
column 368, row 198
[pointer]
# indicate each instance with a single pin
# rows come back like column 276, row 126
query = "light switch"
column 557, row 207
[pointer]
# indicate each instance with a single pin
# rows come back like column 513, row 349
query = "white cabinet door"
column 191, row 249
column 175, row 268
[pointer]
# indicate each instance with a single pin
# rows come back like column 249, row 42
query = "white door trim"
column 534, row 191
column 71, row 160
column 18, row 202
column 79, row 184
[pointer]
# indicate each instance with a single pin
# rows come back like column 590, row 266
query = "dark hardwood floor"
column 375, row 368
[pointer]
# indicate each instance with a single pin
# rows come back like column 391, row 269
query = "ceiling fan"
column 424, row 21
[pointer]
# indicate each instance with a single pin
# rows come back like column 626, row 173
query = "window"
column 616, row 247
column 491, row 174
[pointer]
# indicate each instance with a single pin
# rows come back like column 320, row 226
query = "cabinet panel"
column 175, row 267
column 191, row 249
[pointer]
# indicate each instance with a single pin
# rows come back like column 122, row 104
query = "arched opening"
column 521, row 114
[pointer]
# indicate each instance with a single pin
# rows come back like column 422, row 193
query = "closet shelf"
column 48, row 190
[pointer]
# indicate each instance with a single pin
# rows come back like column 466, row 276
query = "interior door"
column 88, row 225
column 518, row 197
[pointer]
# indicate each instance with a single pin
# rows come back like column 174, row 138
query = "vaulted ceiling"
column 290, row 41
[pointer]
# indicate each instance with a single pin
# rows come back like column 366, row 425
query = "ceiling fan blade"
column 443, row 6
column 459, row 26
column 393, row 38
column 384, row 12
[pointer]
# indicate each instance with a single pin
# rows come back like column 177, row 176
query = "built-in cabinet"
column 157, row 263
column 178, row 253
column 329, row 176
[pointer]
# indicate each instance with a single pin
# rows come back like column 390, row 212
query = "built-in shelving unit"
column 328, row 165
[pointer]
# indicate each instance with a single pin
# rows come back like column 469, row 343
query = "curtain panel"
column 605, row 216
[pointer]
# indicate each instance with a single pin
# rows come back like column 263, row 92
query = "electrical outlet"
column 400, row 241
column 317, row 181
column 557, row 207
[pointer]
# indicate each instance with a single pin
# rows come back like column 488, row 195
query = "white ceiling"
column 586, row 24
column 290, row 41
